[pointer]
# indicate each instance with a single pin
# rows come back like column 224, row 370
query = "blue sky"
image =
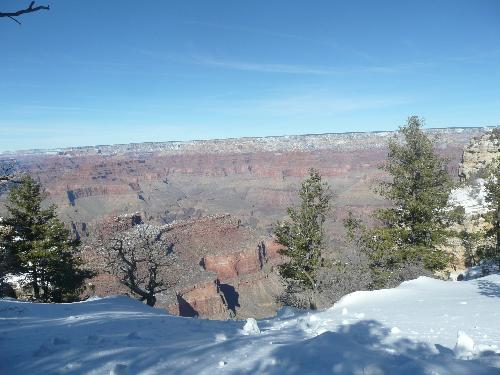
column 101, row 72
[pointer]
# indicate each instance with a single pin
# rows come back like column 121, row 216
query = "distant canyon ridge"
column 253, row 179
column 207, row 190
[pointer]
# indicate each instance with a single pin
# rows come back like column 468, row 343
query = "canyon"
column 217, row 200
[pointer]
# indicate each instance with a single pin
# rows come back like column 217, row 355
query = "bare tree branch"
column 13, row 19
column 32, row 8
column 140, row 260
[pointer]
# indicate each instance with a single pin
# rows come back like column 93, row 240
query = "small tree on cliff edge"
column 492, row 234
column 416, row 227
column 142, row 261
column 303, row 237
column 41, row 247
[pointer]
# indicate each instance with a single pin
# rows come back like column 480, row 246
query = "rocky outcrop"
column 92, row 191
column 480, row 152
column 114, row 224
column 230, row 266
column 215, row 259
column 478, row 156
column 204, row 300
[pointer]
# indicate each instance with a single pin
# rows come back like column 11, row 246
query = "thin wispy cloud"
column 327, row 104
column 34, row 109
column 208, row 60
column 340, row 47
column 254, row 30
column 262, row 68
column 305, row 69
column 308, row 104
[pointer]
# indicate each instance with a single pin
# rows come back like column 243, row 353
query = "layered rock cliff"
column 185, row 186
column 254, row 179
column 480, row 152
column 479, row 156
column 219, row 260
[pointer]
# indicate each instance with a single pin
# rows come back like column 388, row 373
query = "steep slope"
column 225, row 268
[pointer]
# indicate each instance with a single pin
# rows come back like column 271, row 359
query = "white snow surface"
column 251, row 327
column 486, row 267
column 424, row 326
column 15, row 280
column 471, row 198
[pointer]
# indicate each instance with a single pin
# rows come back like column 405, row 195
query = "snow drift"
column 424, row 326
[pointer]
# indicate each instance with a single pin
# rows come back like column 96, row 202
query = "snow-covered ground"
column 424, row 326
column 472, row 198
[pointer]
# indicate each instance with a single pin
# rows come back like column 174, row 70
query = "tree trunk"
column 497, row 225
column 151, row 300
column 34, row 284
column 44, row 286
column 312, row 300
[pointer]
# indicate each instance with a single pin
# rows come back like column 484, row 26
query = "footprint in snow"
column 133, row 336
column 92, row 339
column 59, row 341
column 71, row 367
column 43, row 350
column 119, row 369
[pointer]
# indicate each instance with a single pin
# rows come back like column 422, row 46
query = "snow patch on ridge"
column 472, row 198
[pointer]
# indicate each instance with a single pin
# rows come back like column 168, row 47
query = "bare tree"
column 142, row 261
column 30, row 9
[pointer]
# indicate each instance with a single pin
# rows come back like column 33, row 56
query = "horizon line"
column 68, row 148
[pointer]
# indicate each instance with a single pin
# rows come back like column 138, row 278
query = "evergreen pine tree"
column 42, row 247
column 303, row 237
column 417, row 225
column 492, row 250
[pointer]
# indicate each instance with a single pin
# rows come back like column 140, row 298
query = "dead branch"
column 140, row 260
column 32, row 8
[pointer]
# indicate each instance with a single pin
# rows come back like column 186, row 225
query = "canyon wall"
column 254, row 179
column 218, row 260
column 480, row 152
column 219, row 199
